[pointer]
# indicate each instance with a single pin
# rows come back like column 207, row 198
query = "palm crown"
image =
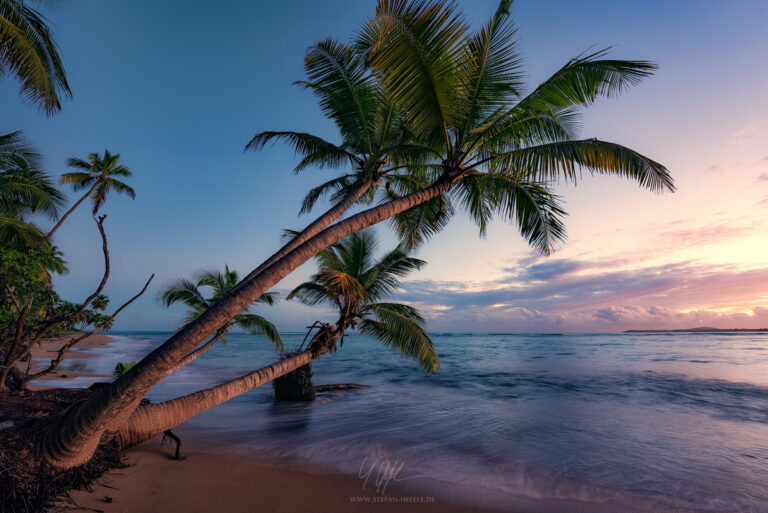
column 500, row 150
column 375, row 142
column 354, row 283
column 189, row 292
column 99, row 174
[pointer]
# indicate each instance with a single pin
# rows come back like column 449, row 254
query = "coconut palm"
column 498, row 150
column 25, row 191
column 190, row 293
column 491, row 138
column 28, row 51
column 98, row 175
column 352, row 282
column 374, row 141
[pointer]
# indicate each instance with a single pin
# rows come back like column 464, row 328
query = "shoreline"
column 153, row 482
column 48, row 349
column 216, row 476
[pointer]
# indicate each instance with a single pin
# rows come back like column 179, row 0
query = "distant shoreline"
column 703, row 330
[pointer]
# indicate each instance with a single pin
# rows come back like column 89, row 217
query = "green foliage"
column 190, row 292
column 461, row 93
column 121, row 368
column 354, row 282
column 101, row 172
column 25, row 191
column 28, row 52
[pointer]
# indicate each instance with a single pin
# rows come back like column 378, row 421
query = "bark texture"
column 154, row 419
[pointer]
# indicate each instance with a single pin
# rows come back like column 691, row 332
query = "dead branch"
column 74, row 341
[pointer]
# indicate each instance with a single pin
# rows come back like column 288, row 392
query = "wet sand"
column 48, row 350
column 207, row 480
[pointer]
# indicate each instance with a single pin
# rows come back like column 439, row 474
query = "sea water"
column 677, row 422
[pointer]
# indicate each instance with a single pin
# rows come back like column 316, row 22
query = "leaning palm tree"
column 25, row 191
column 498, row 151
column 491, row 137
column 98, row 176
column 353, row 282
column 190, row 293
column 375, row 143
column 28, row 51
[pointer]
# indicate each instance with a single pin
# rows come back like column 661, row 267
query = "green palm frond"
column 29, row 52
column 585, row 78
column 344, row 90
column 547, row 162
column 258, row 325
column 310, row 293
column 315, row 150
column 491, row 77
column 414, row 49
column 401, row 327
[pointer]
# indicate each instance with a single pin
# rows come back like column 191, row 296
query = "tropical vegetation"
column 434, row 119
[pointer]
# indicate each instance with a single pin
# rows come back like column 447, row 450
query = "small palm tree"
column 28, row 51
column 98, row 175
column 354, row 283
column 189, row 292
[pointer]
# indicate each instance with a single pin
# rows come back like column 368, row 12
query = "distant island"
column 703, row 329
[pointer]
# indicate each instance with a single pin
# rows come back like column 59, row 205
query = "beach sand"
column 206, row 481
column 47, row 350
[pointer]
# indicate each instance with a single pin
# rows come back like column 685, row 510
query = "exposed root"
column 169, row 434
column 26, row 486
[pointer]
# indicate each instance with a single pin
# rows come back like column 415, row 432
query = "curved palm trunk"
column 194, row 355
column 151, row 420
column 313, row 229
column 72, row 438
column 66, row 215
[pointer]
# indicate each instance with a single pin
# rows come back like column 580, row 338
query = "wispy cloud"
column 579, row 295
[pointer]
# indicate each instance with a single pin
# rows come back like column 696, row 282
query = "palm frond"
column 585, row 78
column 549, row 162
column 258, row 325
column 28, row 51
column 401, row 327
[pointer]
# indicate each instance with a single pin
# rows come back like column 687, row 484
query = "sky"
column 178, row 89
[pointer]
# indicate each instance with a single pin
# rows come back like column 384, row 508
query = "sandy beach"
column 47, row 350
column 206, row 480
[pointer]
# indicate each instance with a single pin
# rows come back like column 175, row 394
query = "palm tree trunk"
column 153, row 419
column 194, row 355
column 313, row 229
column 66, row 215
column 71, row 440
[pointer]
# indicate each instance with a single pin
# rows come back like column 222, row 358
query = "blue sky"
column 179, row 88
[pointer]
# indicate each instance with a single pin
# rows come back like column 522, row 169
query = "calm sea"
column 675, row 422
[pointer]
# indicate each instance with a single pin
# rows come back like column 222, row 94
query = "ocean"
column 674, row 422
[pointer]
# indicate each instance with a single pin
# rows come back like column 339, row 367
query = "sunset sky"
column 178, row 92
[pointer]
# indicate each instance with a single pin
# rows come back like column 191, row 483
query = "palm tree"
column 497, row 151
column 420, row 52
column 28, row 51
column 189, row 293
column 98, row 176
column 350, row 280
column 374, row 140
column 25, row 190
column 353, row 283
